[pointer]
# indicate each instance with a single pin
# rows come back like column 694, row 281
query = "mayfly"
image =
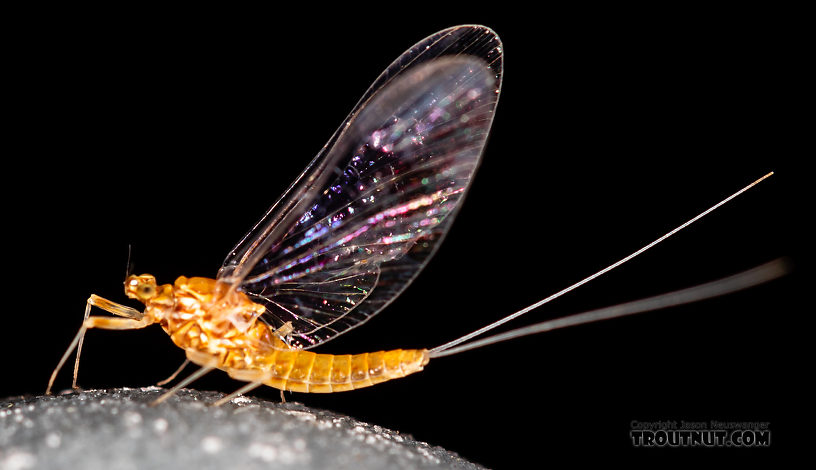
column 350, row 234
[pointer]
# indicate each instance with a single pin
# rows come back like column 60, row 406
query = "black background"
column 173, row 132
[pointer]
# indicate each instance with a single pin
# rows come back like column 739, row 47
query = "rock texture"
column 104, row 429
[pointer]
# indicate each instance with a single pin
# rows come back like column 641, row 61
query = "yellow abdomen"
column 305, row 371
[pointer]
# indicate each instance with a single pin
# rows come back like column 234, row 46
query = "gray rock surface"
column 116, row 429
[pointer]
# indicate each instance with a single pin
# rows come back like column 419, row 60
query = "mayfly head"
column 141, row 288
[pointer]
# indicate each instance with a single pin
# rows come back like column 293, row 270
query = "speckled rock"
column 105, row 429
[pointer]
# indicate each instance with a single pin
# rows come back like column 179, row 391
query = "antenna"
column 128, row 266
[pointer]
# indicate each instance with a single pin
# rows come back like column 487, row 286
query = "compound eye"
column 146, row 291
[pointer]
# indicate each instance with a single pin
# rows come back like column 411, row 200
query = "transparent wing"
column 369, row 211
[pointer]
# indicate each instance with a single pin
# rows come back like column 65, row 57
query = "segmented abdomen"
column 305, row 371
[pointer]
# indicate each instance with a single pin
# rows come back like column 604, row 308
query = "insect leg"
column 255, row 377
column 175, row 374
column 108, row 306
column 195, row 376
column 246, row 388
column 135, row 319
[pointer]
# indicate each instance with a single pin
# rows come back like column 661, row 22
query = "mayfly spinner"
column 350, row 235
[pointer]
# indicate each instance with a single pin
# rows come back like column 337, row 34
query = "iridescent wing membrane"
column 370, row 210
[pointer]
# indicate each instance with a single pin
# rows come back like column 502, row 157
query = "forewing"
column 369, row 211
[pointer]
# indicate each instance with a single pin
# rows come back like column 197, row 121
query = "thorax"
column 200, row 314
